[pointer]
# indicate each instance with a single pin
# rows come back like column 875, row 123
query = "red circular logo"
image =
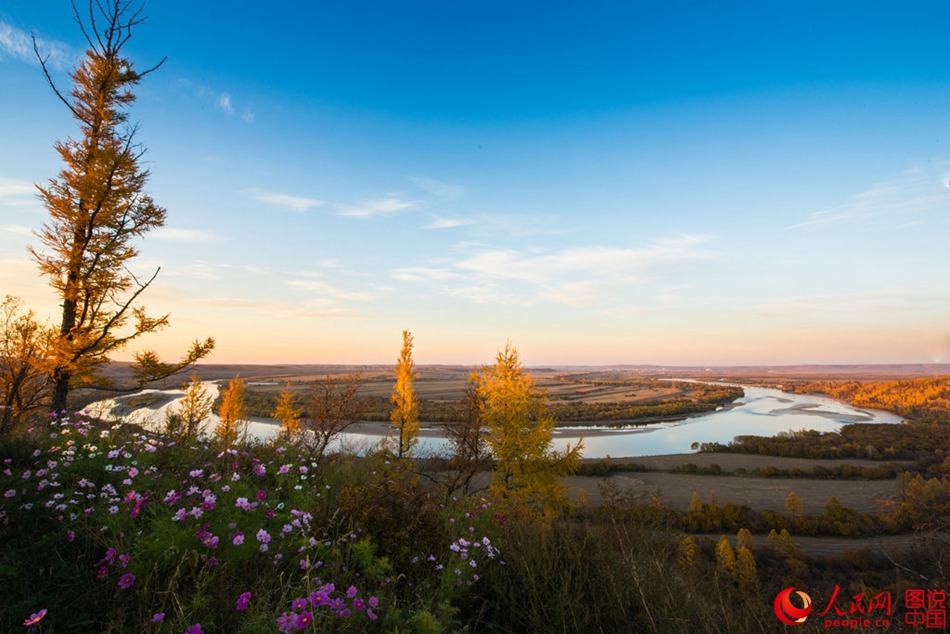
column 787, row 612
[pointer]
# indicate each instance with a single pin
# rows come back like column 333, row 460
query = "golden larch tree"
column 194, row 408
column 725, row 558
column 98, row 210
column 232, row 423
column 528, row 473
column 287, row 411
column 746, row 574
column 405, row 412
column 794, row 510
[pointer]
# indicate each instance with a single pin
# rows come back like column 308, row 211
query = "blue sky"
column 623, row 182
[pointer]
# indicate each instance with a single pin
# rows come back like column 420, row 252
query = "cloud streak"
column 439, row 189
column 184, row 235
column 18, row 45
column 576, row 276
column 287, row 201
column 378, row 207
column 912, row 193
column 438, row 222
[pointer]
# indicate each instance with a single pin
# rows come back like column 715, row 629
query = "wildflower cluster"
column 330, row 602
column 153, row 512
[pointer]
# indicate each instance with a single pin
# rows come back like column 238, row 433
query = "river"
column 761, row 412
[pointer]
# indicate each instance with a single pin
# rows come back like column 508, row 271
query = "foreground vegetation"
column 115, row 529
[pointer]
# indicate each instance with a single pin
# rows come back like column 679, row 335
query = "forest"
column 921, row 400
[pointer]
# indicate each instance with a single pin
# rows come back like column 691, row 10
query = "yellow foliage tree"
column 405, row 412
column 744, row 539
column 725, row 558
column 687, row 553
column 528, row 473
column 194, row 408
column 746, row 575
column 232, row 422
column 287, row 411
column 793, row 507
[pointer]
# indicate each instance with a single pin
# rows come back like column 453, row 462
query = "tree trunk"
column 61, row 373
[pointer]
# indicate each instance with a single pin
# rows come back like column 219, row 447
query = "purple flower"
column 158, row 617
column 373, row 602
column 263, row 536
column 242, row 601
column 287, row 622
column 261, row 494
column 238, row 538
column 126, row 581
column 372, row 616
column 298, row 604
column 195, row 629
column 358, row 605
column 304, row 620
column 351, row 592
column 35, row 618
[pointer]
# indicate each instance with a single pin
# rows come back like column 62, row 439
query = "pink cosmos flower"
column 35, row 618
column 126, row 581
column 242, row 601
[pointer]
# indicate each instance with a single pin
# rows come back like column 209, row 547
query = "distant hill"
column 121, row 372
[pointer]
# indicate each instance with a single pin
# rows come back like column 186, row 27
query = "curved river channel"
column 761, row 412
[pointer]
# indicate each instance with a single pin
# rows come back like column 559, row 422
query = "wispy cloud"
column 184, row 235
column 579, row 275
column 438, row 222
column 420, row 273
column 17, row 230
column 328, row 292
column 18, row 45
column 914, row 192
column 871, row 302
column 221, row 99
column 600, row 262
column 11, row 189
column 224, row 102
column 288, row 201
column 377, row 207
column 305, row 309
column 439, row 189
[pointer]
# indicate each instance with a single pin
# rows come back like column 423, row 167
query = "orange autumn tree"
column 232, row 423
column 98, row 212
column 405, row 413
column 528, row 473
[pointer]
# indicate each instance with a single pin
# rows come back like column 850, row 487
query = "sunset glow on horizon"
column 618, row 183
